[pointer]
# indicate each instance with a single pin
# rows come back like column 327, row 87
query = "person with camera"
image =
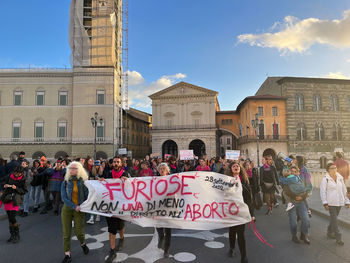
column 12, row 198
column 55, row 182
column 24, row 207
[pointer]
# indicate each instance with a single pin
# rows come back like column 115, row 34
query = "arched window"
column 323, row 162
column 299, row 102
column 301, row 131
column 317, row 103
column 319, row 132
column 336, row 132
column 334, row 103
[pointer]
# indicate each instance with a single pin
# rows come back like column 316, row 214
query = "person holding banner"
column 115, row 224
column 240, row 176
column 74, row 193
column 164, row 234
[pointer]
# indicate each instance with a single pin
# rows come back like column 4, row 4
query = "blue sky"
column 225, row 45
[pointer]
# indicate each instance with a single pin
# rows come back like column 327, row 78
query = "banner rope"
column 258, row 235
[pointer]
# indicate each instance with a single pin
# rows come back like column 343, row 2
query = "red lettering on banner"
column 231, row 211
column 165, row 187
column 133, row 191
column 111, row 187
column 223, row 207
column 174, row 182
column 184, row 185
column 196, row 211
column 214, row 209
column 132, row 207
column 140, row 190
column 188, row 211
column 207, row 205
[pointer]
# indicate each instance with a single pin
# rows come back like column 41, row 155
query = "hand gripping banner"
column 190, row 200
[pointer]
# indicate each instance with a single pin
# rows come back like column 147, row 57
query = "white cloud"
column 134, row 78
column 296, row 35
column 139, row 90
column 336, row 75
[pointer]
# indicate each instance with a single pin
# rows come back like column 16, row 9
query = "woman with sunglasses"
column 237, row 171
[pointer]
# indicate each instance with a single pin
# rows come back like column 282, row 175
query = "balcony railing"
column 58, row 140
column 185, row 127
column 264, row 138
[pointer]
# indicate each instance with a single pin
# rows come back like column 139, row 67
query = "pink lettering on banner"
column 210, row 210
column 111, row 187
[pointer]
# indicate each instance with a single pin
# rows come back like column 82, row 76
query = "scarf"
column 172, row 166
column 117, row 174
column 16, row 178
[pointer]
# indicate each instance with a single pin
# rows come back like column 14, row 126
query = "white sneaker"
column 98, row 219
column 289, row 206
column 277, row 204
column 90, row 221
column 72, row 223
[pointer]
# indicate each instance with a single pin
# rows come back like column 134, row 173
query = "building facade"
column 137, row 133
column 317, row 116
column 262, row 122
column 48, row 111
column 184, row 117
column 228, row 131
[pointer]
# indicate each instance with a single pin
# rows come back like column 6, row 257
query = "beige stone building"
column 317, row 116
column 48, row 111
column 184, row 117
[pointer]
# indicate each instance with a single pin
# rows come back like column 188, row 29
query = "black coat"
column 248, row 196
column 10, row 167
column 19, row 192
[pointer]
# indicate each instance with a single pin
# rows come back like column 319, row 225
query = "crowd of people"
column 62, row 184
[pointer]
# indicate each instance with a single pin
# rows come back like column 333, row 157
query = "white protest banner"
column 232, row 154
column 190, row 200
column 122, row 151
column 186, row 155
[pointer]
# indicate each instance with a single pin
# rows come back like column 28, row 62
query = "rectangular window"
column 261, row 111
column 62, row 130
column 16, row 130
column 39, row 131
column 274, row 111
column 228, row 140
column 40, row 97
column 169, row 123
column 17, row 98
column 63, row 98
column 100, row 131
column 220, row 141
column 100, row 97
column 228, row 148
column 275, row 131
column 196, row 123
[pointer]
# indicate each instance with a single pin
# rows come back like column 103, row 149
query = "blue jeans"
column 299, row 209
column 36, row 192
column 25, row 205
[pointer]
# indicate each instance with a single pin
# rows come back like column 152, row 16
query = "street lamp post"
column 94, row 121
column 255, row 124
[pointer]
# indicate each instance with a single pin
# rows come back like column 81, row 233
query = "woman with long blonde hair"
column 74, row 193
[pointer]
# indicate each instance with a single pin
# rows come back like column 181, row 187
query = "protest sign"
column 154, row 155
column 122, row 151
column 190, row 200
column 186, row 155
column 167, row 156
column 232, row 154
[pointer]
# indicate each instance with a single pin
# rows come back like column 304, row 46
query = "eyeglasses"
column 332, row 168
column 73, row 168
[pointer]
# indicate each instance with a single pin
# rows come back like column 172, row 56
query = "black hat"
column 22, row 153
